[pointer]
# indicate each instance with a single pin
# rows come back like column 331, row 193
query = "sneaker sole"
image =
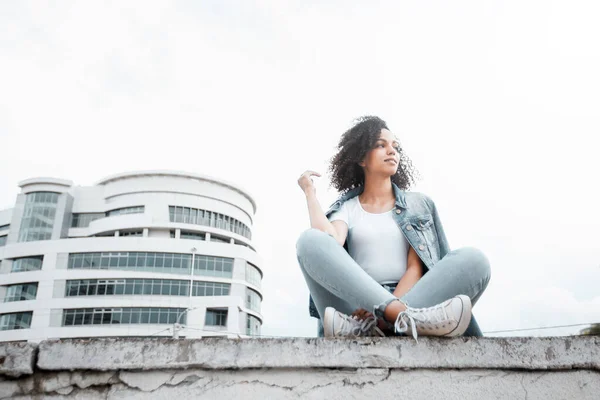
column 465, row 318
column 328, row 322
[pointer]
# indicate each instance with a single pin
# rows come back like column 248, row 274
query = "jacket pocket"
column 425, row 229
column 422, row 222
column 422, row 225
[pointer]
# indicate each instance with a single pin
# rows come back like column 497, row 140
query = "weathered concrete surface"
column 387, row 368
column 17, row 359
column 459, row 353
column 321, row 384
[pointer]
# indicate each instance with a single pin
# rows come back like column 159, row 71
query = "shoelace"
column 355, row 327
column 432, row 315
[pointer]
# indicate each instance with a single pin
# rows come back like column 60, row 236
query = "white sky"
column 496, row 102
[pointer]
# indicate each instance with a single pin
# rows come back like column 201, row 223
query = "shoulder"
column 417, row 197
column 342, row 200
column 418, row 200
column 350, row 205
column 352, row 202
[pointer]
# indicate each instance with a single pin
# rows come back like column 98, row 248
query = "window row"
column 131, row 233
column 188, row 215
column 162, row 287
column 124, row 233
column 27, row 264
column 3, row 227
column 125, row 211
column 83, row 220
column 173, row 263
column 128, row 315
column 2, row 240
column 190, row 235
column 201, row 236
column 21, row 292
column 20, row 320
column 42, row 197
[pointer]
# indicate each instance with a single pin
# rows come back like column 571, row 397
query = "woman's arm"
column 414, row 272
column 318, row 220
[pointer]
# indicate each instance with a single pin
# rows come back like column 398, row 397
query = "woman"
column 382, row 248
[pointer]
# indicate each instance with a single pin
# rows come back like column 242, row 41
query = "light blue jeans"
column 335, row 280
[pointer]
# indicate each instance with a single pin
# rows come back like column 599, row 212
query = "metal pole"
column 192, row 274
column 176, row 326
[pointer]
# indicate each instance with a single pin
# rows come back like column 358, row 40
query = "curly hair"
column 346, row 173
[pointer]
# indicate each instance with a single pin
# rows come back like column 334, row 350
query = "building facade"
column 115, row 259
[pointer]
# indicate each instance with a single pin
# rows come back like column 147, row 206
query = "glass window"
column 21, row 292
column 134, row 315
column 2, row 240
column 253, row 275
column 131, row 233
column 27, row 264
column 216, row 317
column 192, row 235
column 211, row 289
column 208, row 218
column 151, row 287
column 83, row 220
column 219, row 239
column 119, row 288
column 38, row 216
column 20, row 320
column 253, row 300
column 125, row 211
column 252, row 325
column 154, row 262
column 154, row 317
column 213, row 266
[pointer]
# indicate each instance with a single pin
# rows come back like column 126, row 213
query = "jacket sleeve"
column 439, row 229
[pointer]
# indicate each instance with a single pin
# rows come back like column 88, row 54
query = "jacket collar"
column 400, row 195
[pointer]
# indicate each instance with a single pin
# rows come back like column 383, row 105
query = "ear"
column 362, row 163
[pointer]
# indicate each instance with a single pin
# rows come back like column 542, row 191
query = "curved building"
column 114, row 259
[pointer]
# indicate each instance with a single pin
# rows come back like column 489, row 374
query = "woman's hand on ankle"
column 361, row 314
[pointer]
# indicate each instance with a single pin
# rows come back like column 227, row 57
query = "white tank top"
column 375, row 241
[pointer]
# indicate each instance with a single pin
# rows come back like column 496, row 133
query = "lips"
column 391, row 160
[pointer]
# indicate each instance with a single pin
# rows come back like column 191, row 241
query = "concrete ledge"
column 386, row 368
column 318, row 384
column 215, row 353
column 17, row 359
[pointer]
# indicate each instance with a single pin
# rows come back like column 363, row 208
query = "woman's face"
column 384, row 157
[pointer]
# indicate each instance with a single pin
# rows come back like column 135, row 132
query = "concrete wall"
column 381, row 368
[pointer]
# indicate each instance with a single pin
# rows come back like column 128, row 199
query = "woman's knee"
column 308, row 240
column 478, row 262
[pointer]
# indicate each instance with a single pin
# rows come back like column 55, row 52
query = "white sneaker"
column 450, row 318
column 336, row 324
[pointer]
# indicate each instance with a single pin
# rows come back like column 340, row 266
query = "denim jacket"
column 417, row 218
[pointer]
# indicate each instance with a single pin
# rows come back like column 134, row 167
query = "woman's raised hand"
column 306, row 183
